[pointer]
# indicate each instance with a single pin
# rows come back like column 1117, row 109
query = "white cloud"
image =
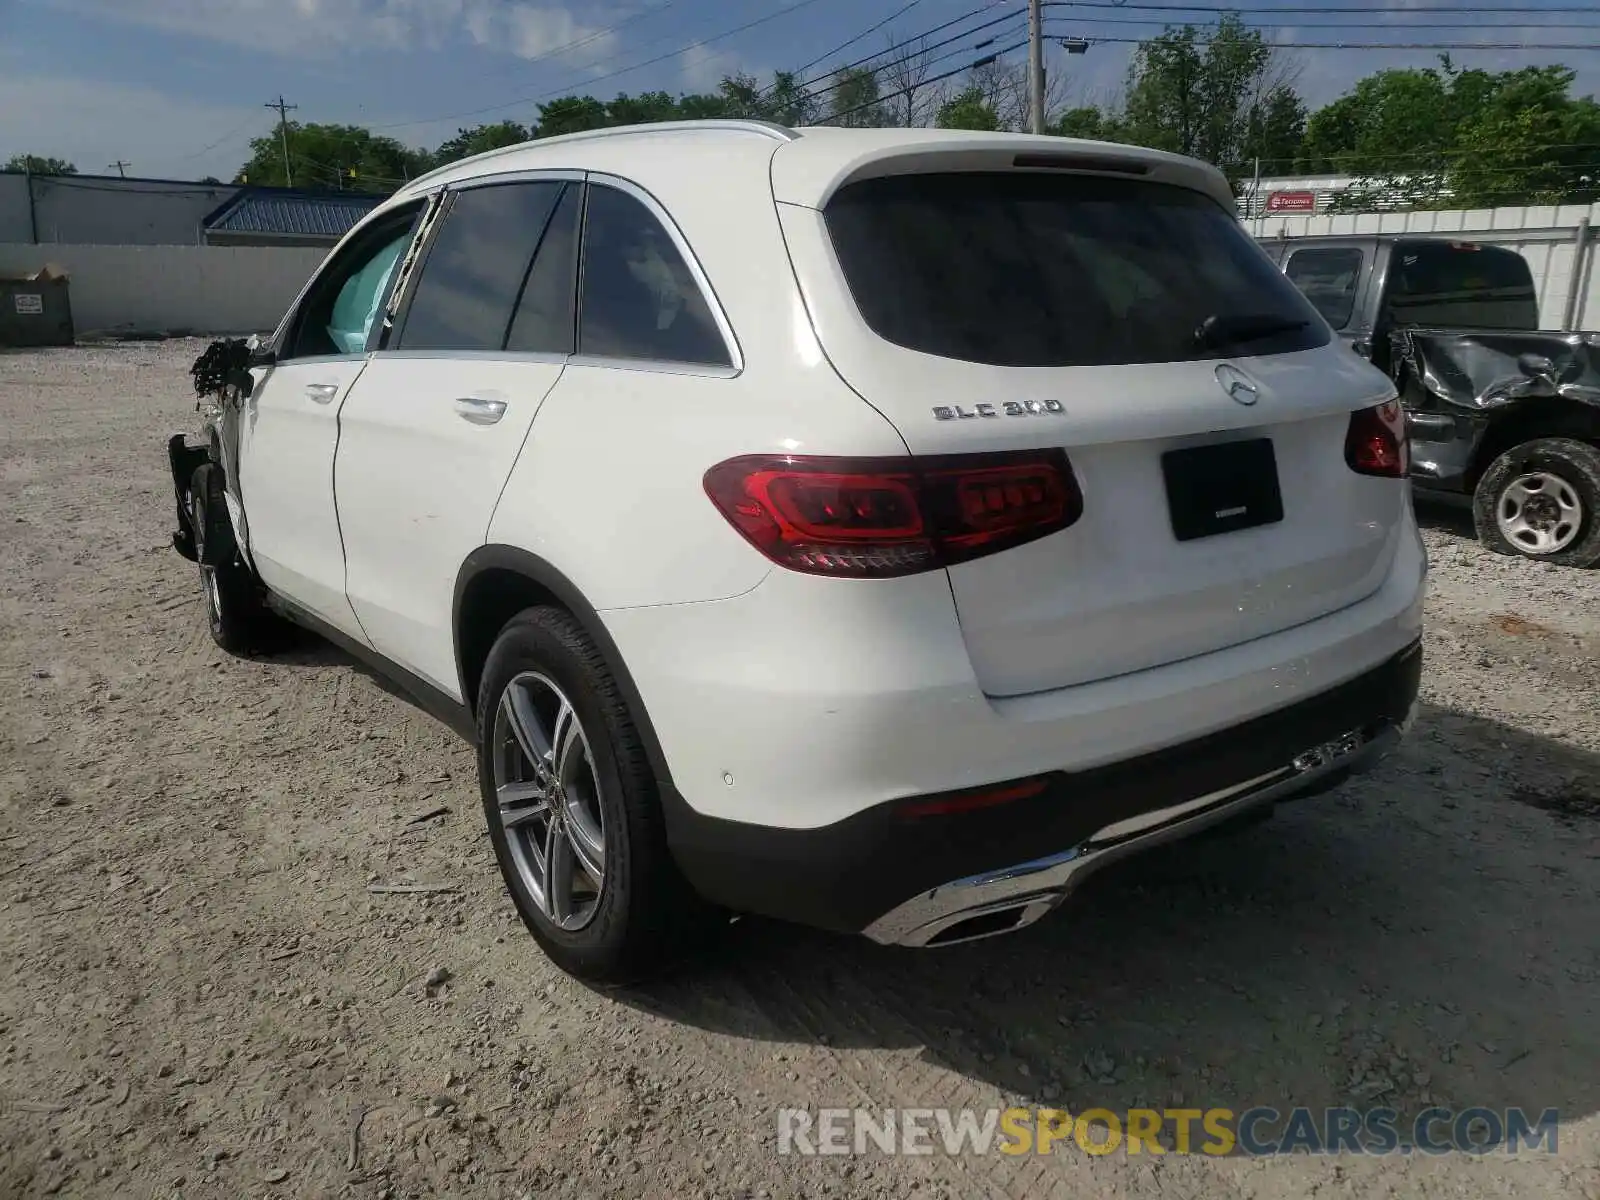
column 702, row 67
column 535, row 32
column 320, row 27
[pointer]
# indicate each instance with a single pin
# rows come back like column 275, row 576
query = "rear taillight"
column 1375, row 443
column 881, row 517
column 952, row 803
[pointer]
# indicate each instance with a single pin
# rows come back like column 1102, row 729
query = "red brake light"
column 1375, row 443
column 882, row 517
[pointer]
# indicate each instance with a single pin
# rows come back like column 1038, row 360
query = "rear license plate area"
column 1222, row 488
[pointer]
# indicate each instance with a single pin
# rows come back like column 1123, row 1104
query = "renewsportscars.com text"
column 1259, row 1131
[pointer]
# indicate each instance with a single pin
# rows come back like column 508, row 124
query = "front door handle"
column 322, row 393
column 480, row 411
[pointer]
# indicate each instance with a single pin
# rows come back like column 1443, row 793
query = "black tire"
column 1575, row 464
column 240, row 623
column 642, row 914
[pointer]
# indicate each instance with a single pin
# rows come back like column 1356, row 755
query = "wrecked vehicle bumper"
column 1458, row 386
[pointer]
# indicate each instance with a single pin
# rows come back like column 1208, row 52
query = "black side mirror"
column 1537, row 366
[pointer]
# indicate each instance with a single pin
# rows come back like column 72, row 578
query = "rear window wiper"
column 1238, row 328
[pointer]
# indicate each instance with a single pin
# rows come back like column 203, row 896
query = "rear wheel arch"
column 497, row 582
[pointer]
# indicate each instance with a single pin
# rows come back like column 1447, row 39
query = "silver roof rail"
column 767, row 129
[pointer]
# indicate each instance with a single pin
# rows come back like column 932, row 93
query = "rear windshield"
column 1440, row 285
column 1035, row 270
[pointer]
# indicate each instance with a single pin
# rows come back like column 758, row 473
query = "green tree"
column 1530, row 143
column 702, row 107
column 40, row 165
column 1275, row 130
column 343, row 157
column 967, row 109
column 1222, row 101
column 1445, row 137
column 789, row 102
column 570, row 114
column 1086, row 122
column 1391, row 122
column 853, row 100
column 643, row 109
column 480, row 139
column 785, row 100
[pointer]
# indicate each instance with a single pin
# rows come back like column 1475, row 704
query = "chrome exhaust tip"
column 1006, row 900
column 984, row 921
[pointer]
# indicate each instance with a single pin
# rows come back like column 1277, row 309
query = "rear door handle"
column 322, row 393
column 480, row 411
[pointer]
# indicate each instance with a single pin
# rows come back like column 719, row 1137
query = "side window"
column 341, row 307
column 638, row 298
column 543, row 323
column 1329, row 278
column 356, row 305
column 474, row 271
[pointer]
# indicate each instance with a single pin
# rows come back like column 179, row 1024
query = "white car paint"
column 287, row 440
column 422, row 462
column 790, row 700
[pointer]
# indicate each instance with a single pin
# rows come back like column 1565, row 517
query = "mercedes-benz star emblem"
column 1240, row 389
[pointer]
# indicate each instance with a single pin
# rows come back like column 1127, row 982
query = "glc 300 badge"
column 1008, row 408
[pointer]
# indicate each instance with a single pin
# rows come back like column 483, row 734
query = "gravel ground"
column 201, row 997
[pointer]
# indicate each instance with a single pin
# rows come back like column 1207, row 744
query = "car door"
column 290, row 423
column 434, row 425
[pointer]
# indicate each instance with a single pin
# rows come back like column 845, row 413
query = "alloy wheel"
column 547, row 792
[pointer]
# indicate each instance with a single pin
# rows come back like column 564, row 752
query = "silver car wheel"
column 1539, row 513
column 547, row 793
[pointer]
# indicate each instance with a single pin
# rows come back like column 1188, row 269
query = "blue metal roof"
column 269, row 212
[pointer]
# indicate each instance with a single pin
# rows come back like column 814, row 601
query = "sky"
column 177, row 88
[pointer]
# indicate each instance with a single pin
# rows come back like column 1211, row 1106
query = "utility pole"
column 1255, row 197
column 1035, row 66
column 283, row 131
column 120, row 167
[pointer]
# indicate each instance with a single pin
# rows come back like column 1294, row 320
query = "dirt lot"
column 201, row 997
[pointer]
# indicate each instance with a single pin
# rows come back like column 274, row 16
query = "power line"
column 841, row 80
column 931, row 80
column 1504, row 9
column 579, row 43
column 901, row 11
column 1399, row 28
column 1423, row 155
column 919, row 41
column 566, row 89
column 1129, row 41
column 236, row 130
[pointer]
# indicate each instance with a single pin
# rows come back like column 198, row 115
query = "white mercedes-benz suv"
column 877, row 529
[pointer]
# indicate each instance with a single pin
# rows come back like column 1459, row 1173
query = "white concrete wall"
column 1542, row 234
column 81, row 210
column 171, row 289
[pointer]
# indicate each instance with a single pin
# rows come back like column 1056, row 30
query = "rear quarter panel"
column 608, row 488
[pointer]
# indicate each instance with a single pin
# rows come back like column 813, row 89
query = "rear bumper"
column 920, row 880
